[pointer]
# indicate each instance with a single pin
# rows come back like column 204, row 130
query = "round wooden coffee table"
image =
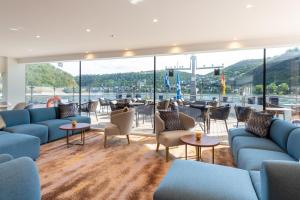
column 205, row 141
column 80, row 126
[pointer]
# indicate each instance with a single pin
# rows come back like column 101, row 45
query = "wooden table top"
column 205, row 141
column 79, row 126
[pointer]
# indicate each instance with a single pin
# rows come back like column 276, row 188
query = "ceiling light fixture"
column 112, row 35
column 248, row 6
column 155, row 20
column 88, row 30
column 135, row 2
column 38, row 36
column 15, row 28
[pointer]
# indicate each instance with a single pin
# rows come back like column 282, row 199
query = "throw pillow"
column 2, row 123
column 171, row 119
column 259, row 123
column 67, row 110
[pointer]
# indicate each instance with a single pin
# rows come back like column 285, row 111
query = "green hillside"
column 47, row 75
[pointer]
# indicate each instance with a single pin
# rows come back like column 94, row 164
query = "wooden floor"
column 120, row 171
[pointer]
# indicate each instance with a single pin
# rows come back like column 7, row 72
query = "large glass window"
column 282, row 82
column 119, row 83
column 46, row 80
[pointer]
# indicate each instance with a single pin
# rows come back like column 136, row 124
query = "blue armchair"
column 19, row 179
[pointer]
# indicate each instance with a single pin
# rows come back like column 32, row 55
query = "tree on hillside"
column 283, row 88
column 258, row 89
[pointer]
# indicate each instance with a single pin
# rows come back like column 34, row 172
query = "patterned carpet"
column 120, row 171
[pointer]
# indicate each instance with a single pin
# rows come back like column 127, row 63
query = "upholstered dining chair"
column 219, row 113
column 172, row 138
column 121, row 122
column 20, row 106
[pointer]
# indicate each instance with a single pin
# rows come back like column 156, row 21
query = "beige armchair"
column 172, row 138
column 120, row 124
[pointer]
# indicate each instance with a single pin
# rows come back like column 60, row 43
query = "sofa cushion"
column 5, row 158
column 42, row 114
column 80, row 119
column 193, row 180
column 293, row 144
column 279, row 132
column 54, row 132
column 259, row 123
column 37, row 130
column 256, row 182
column 19, row 145
column 251, row 159
column 172, row 138
column 254, row 143
column 15, row 117
column 233, row 132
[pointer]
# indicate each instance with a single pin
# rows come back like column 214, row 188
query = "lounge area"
column 141, row 100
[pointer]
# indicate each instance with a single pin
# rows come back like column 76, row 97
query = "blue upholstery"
column 80, row 119
column 255, row 178
column 37, row 130
column 19, row 145
column 279, row 132
column 15, row 117
column 53, row 128
column 5, row 158
column 280, row 180
column 252, row 159
column 42, row 114
column 233, row 132
column 293, row 144
column 19, row 179
column 194, row 180
column 252, row 142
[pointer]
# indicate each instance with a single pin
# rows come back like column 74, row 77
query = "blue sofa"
column 19, row 179
column 269, row 169
column 26, row 130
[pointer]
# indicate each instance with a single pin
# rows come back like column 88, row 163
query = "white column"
column 13, row 79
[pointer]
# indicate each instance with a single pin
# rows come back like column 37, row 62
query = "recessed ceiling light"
column 15, row 28
column 235, row 38
column 155, row 20
column 112, row 35
column 38, row 36
column 88, row 30
column 134, row 2
column 126, row 49
column 248, row 6
column 174, row 44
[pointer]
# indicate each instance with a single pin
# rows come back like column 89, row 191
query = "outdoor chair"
column 90, row 107
column 295, row 112
column 104, row 103
column 163, row 105
column 121, row 122
column 199, row 113
column 146, row 111
column 242, row 114
column 219, row 113
column 172, row 138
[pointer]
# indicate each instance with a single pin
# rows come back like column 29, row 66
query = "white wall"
column 13, row 80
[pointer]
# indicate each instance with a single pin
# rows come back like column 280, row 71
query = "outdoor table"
column 276, row 110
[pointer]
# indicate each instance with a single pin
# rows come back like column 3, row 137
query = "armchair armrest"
column 280, row 180
column 5, row 158
column 19, row 179
column 187, row 121
column 159, row 124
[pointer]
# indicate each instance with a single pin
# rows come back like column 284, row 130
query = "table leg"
column 186, row 151
column 197, row 154
column 67, row 138
column 83, row 137
column 200, row 153
column 213, row 154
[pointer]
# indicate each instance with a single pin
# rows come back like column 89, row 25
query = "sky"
column 123, row 65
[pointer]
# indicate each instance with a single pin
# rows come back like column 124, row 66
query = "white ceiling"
column 62, row 24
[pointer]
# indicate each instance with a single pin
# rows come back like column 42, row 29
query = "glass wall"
column 282, row 82
column 119, row 83
column 46, row 80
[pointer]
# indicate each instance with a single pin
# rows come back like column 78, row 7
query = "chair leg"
column 226, row 126
column 128, row 139
column 167, row 154
column 237, row 124
column 157, row 147
column 96, row 116
column 105, row 138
